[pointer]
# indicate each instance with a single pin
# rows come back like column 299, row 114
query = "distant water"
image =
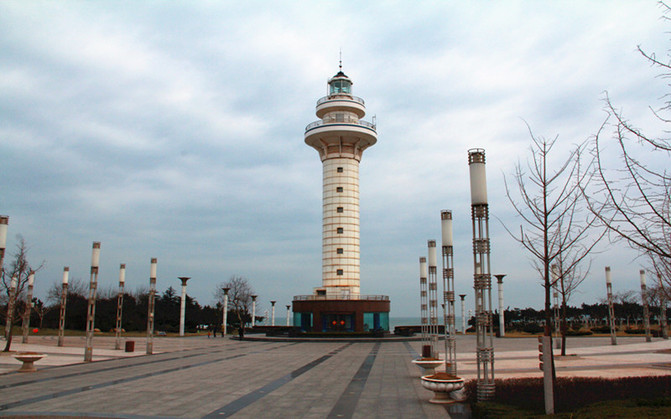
column 416, row 321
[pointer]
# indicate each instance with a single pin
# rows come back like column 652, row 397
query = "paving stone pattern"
column 198, row 377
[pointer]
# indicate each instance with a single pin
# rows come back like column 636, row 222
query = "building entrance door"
column 338, row 322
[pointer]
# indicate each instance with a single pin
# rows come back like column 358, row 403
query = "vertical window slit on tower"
column 339, row 250
column 339, row 209
column 339, row 272
column 339, row 230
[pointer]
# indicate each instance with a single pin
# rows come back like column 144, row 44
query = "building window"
column 340, row 170
column 339, row 189
column 339, row 230
column 339, row 250
column 339, row 209
column 339, row 272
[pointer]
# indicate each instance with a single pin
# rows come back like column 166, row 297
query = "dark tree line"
column 134, row 316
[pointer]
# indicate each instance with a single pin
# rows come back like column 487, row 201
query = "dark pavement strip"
column 80, row 389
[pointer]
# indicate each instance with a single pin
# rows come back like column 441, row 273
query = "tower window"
column 339, row 250
column 339, row 189
column 339, row 170
column 339, row 230
column 340, row 209
column 339, row 272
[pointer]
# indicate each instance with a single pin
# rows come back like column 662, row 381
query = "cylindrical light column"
column 119, row 306
column 91, row 311
column 662, row 308
column 424, row 306
column 10, row 311
column 611, row 311
column 253, row 311
column 646, row 308
column 463, row 314
column 272, row 311
column 502, row 320
column 182, row 306
column 288, row 314
column 448, row 292
column 482, row 281
column 433, row 297
column 64, row 301
column 29, row 306
column 150, row 307
column 225, row 319
column 4, row 222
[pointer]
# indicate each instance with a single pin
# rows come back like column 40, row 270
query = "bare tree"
column 549, row 202
column 239, row 297
column 633, row 195
column 20, row 268
column 76, row 286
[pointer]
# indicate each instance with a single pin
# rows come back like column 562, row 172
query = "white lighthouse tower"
column 340, row 137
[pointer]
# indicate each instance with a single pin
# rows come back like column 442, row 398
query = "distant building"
column 340, row 137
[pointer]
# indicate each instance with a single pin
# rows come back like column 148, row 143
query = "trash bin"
column 130, row 345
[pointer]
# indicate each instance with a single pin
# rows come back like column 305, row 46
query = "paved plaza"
column 198, row 377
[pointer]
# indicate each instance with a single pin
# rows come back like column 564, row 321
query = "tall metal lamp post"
column 502, row 320
column 182, row 306
column 64, row 301
column 463, row 314
column 253, row 311
column 119, row 306
column 662, row 308
column 29, row 306
column 611, row 311
column 448, row 293
column 4, row 221
column 482, row 281
column 272, row 303
column 150, row 307
column 225, row 316
column 646, row 308
column 91, row 311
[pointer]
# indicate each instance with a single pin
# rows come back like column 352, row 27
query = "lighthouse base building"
column 340, row 137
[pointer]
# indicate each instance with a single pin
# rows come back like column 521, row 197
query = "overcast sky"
column 175, row 130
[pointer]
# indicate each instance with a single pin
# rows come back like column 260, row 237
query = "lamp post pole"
column 611, row 311
column 273, row 313
column 64, row 301
column 119, row 306
column 4, row 221
column 91, row 311
column 662, row 307
column 253, row 311
column 463, row 314
column 288, row 313
column 448, row 292
column 424, row 306
column 182, row 306
column 646, row 308
column 150, row 307
column 29, row 306
column 225, row 316
column 502, row 320
column 482, row 281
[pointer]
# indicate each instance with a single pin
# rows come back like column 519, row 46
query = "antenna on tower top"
column 340, row 64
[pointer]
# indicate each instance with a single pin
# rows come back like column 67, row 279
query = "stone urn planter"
column 28, row 359
column 446, row 388
column 428, row 365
